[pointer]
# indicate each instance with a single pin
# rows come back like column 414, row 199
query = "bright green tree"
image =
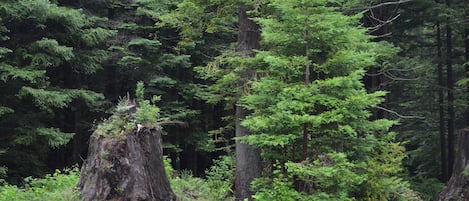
column 312, row 112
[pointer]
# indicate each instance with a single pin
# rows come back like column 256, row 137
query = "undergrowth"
column 59, row 186
column 216, row 187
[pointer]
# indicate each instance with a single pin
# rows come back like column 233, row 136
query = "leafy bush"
column 220, row 177
column 278, row 188
column 382, row 169
column 217, row 186
column 189, row 188
column 59, row 186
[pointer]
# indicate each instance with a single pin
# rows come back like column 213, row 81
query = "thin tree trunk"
column 450, row 84
column 307, row 83
column 248, row 159
column 441, row 110
column 466, row 44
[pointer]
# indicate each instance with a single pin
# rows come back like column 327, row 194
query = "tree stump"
column 457, row 188
column 126, row 168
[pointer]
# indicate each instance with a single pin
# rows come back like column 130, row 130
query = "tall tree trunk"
column 307, row 82
column 466, row 44
column 458, row 186
column 441, row 110
column 248, row 159
column 450, row 84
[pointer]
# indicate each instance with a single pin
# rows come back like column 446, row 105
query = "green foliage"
column 217, row 186
column 140, row 91
column 54, row 136
column 5, row 110
column 3, row 170
column 46, row 49
column 128, row 114
column 382, row 168
column 59, row 186
column 155, row 55
column 412, row 76
column 147, row 113
column 189, row 188
column 167, row 167
column 279, row 188
column 194, row 22
column 220, row 177
column 95, row 36
column 55, row 63
column 350, row 156
column 331, row 176
column 49, row 99
column 46, row 53
column 428, row 188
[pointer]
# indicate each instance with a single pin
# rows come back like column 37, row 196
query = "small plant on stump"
column 125, row 157
column 130, row 115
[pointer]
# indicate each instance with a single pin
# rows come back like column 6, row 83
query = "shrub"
column 59, row 186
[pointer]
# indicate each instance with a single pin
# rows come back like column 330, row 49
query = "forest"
column 278, row 100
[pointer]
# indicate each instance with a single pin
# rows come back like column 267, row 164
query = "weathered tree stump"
column 457, row 188
column 122, row 168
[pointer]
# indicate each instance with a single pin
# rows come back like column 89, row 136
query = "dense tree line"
column 301, row 92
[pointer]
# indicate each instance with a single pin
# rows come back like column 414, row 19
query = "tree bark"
column 457, row 187
column 307, row 81
column 466, row 44
column 450, row 85
column 126, row 168
column 248, row 159
column 441, row 110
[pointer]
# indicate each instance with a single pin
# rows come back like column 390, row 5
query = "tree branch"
column 381, row 4
column 397, row 114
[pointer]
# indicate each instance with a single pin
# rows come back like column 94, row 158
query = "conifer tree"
column 46, row 50
column 335, row 106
